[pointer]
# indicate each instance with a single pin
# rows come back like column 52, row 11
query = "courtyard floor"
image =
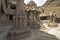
column 36, row 34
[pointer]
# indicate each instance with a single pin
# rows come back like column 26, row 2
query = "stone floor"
column 36, row 34
column 39, row 35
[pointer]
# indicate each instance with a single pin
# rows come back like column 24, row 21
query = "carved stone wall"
column 53, row 7
column 20, row 28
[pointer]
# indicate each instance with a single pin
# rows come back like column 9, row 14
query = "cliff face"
column 53, row 2
column 52, row 6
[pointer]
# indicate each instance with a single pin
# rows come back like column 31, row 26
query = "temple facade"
column 17, row 18
column 31, row 10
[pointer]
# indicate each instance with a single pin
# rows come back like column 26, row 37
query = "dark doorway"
column 57, row 20
column 10, row 17
column 13, row 7
column 43, row 18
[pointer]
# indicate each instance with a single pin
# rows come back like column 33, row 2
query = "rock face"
column 53, row 2
column 52, row 6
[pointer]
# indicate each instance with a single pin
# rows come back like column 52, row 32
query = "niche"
column 13, row 7
column 10, row 17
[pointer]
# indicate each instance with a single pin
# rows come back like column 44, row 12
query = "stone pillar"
column 31, row 16
column 54, row 18
column 20, row 28
column 51, row 17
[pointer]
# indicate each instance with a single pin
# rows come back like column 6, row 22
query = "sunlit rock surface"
column 52, row 6
column 53, row 31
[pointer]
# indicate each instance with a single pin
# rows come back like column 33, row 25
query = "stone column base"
column 16, row 35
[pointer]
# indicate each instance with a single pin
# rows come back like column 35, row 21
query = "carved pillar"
column 51, row 17
column 30, row 16
column 54, row 17
column 20, row 28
